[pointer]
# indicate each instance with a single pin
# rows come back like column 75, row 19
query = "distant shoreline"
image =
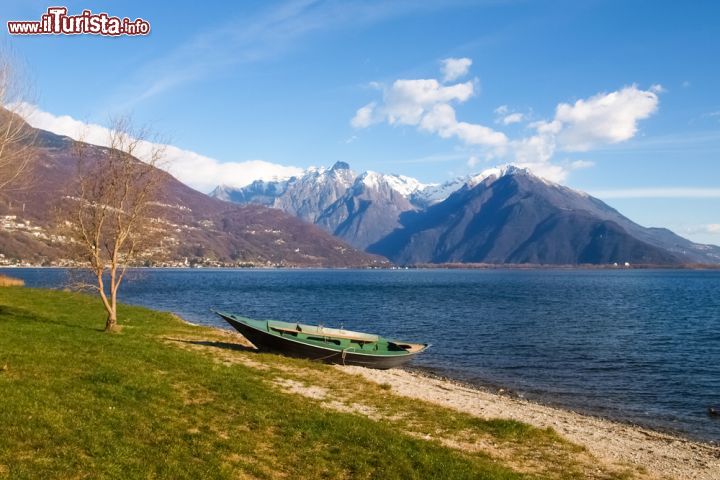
column 424, row 266
column 532, row 266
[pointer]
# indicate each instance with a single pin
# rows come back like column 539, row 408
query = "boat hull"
column 266, row 341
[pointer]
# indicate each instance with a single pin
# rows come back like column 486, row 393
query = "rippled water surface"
column 637, row 345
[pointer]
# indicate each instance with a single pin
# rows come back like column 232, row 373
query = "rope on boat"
column 332, row 355
column 343, row 354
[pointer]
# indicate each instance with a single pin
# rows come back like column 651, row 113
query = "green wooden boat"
column 330, row 345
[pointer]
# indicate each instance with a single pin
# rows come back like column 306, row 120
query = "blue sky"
column 617, row 98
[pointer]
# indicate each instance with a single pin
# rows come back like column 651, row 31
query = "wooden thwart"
column 318, row 332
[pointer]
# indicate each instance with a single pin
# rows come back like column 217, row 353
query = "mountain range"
column 203, row 230
column 499, row 216
column 336, row 217
column 359, row 208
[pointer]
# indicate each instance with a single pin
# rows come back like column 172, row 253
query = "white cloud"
column 502, row 110
column 536, row 152
column 205, row 173
column 364, row 116
column 506, row 117
column 198, row 171
column 512, row 118
column 474, row 134
column 64, row 125
column 426, row 104
column 454, row 68
column 659, row 192
column 537, row 148
column 407, row 101
column 657, row 88
column 441, row 120
column 605, row 118
column 602, row 119
column 581, row 164
column 550, row 171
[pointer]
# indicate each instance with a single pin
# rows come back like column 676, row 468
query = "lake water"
column 636, row 345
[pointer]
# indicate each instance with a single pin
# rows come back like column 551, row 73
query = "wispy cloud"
column 713, row 115
column 696, row 142
column 266, row 34
column 658, row 192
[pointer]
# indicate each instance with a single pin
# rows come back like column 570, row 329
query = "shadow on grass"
column 28, row 316
column 225, row 345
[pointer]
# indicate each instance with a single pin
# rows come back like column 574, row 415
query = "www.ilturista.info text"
column 57, row 22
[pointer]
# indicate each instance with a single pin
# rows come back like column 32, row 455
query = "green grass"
column 77, row 402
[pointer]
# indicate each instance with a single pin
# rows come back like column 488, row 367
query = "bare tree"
column 16, row 137
column 114, row 219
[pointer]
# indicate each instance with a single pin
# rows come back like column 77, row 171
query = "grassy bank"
column 166, row 399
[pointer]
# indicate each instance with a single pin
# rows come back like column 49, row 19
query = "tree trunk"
column 111, row 303
column 111, row 322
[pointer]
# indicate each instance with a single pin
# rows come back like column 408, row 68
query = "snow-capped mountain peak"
column 497, row 172
column 405, row 186
column 437, row 192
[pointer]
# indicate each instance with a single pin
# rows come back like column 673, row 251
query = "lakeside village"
column 14, row 224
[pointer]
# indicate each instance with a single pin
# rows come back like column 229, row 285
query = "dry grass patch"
column 6, row 281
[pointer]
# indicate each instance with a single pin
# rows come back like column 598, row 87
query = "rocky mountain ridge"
column 501, row 215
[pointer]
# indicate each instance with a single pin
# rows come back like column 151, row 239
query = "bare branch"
column 113, row 206
column 16, row 137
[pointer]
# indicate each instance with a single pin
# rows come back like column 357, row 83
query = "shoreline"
column 662, row 455
column 653, row 453
column 501, row 390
